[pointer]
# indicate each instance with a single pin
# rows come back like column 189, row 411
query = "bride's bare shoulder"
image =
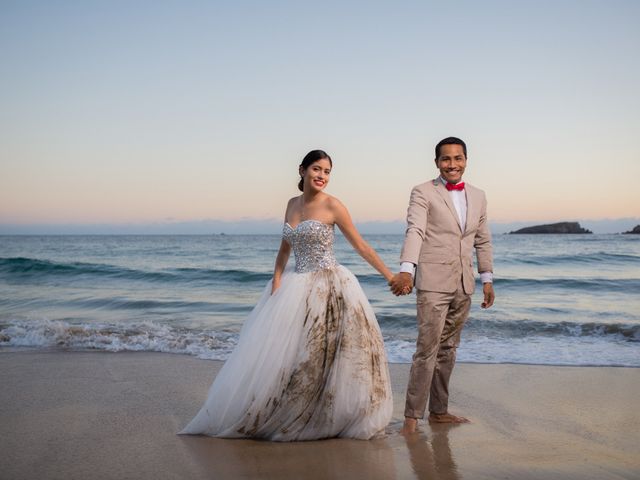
column 292, row 200
column 292, row 205
column 334, row 202
column 337, row 208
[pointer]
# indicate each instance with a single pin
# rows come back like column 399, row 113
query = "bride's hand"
column 275, row 285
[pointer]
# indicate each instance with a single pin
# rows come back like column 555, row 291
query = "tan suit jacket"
column 435, row 243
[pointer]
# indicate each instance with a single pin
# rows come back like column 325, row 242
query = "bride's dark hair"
column 309, row 158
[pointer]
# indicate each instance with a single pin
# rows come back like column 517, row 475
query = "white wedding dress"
column 310, row 362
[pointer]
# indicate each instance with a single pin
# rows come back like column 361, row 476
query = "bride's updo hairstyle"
column 310, row 158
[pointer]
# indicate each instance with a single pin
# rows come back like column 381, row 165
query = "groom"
column 446, row 220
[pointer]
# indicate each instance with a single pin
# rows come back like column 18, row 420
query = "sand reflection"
column 431, row 455
column 335, row 458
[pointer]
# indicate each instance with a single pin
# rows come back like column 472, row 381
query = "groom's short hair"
column 450, row 141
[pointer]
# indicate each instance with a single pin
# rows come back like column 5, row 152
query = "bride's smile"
column 316, row 176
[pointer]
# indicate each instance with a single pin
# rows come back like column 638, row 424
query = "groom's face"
column 451, row 162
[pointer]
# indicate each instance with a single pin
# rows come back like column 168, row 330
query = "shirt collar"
column 444, row 182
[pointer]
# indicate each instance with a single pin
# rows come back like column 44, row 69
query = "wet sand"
column 67, row 415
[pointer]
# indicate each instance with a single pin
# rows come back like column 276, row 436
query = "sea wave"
column 528, row 328
column 547, row 351
column 32, row 269
column 620, row 285
column 579, row 259
column 144, row 336
column 21, row 268
column 24, row 270
column 488, row 337
column 525, row 328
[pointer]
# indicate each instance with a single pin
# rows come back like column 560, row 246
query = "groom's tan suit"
column 443, row 254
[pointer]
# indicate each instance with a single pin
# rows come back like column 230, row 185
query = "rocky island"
column 561, row 227
column 635, row 230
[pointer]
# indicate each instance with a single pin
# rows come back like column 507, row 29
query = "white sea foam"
column 217, row 345
column 580, row 351
column 144, row 336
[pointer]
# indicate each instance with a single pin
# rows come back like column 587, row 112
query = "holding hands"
column 401, row 284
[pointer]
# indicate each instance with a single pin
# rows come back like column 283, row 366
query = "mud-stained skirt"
column 309, row 364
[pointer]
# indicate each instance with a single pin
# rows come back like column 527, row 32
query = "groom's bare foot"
column 410, row 426
column 447, row 418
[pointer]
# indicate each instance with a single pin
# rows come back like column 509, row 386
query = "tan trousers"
column 441, row 317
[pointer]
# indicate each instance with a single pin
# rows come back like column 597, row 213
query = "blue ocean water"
column 561, row 299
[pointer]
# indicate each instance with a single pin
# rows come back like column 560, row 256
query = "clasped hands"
column 401, row 284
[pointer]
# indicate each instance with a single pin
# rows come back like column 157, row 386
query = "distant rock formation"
column 561, row 227
column 635, row 230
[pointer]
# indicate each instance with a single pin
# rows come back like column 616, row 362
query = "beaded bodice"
column 312, row 244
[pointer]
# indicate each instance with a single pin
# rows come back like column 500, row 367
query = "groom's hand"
column 489, row 295
column 401, row 283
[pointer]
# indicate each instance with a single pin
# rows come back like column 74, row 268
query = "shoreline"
column 92, row 414
column 53, row 349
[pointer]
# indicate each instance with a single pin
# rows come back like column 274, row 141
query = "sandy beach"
column 114, row 415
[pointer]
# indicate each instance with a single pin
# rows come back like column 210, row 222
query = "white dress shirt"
column 459, row 199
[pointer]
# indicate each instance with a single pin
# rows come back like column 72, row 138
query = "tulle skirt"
column 309, row 364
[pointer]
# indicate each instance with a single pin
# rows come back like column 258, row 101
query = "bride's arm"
column 344, row 222
column 281, row 262
column 283, row 254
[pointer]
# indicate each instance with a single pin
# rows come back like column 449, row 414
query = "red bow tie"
column 454, row 186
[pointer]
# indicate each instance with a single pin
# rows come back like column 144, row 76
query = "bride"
column 310, row 362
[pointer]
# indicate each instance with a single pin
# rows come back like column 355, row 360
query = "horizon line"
column 267, row 226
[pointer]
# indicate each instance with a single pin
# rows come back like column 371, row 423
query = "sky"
column 128, row 113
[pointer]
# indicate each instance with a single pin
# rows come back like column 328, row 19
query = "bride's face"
column 316, row 176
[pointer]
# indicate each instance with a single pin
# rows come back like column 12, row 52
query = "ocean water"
column 561, row 299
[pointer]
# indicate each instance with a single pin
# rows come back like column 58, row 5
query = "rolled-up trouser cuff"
column 413, row 414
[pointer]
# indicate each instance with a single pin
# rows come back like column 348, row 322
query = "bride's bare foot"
column 447, row 418
column 410, row 426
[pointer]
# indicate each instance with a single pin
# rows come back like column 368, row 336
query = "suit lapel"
column 444, row 193
column 472, row 206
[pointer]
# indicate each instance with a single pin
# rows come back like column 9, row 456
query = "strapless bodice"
column 312, row 244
